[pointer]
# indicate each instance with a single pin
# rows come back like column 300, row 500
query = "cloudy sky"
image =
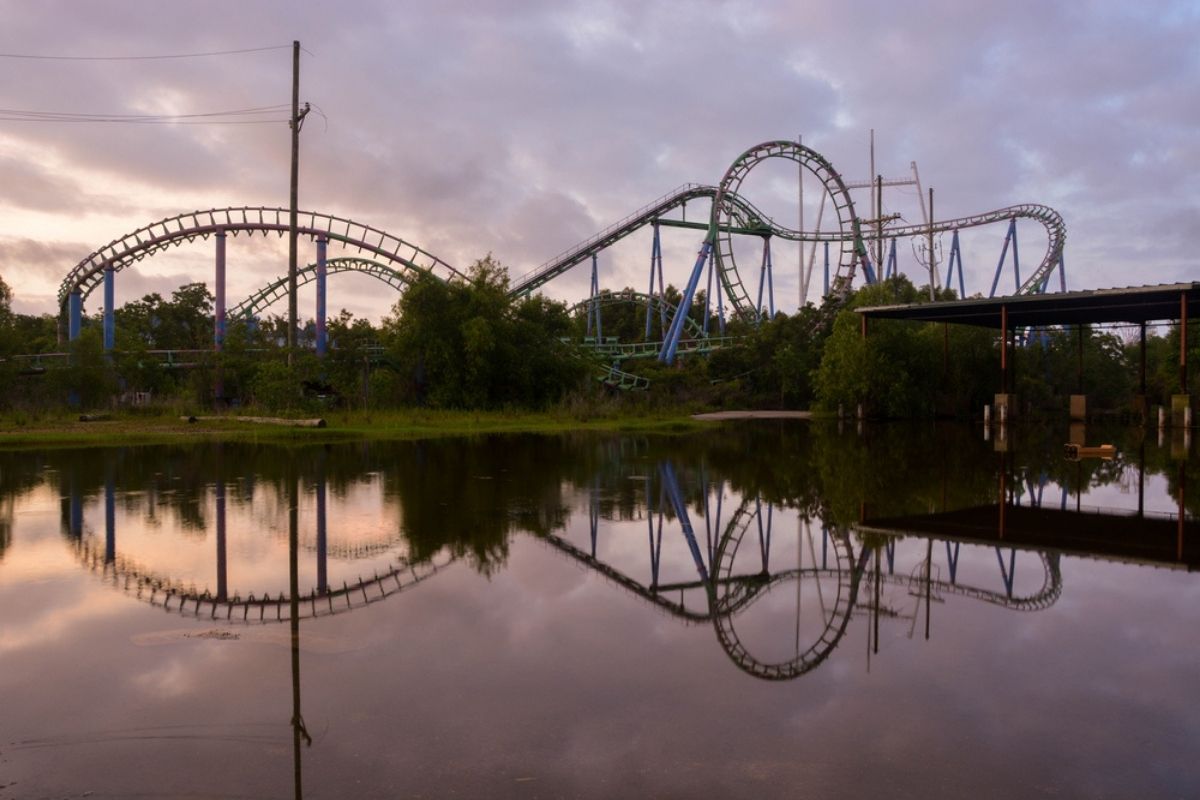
column 519, row 128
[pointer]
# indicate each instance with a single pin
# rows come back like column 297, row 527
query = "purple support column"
column 74, row 314
column 321, row 245
column 109, row 322
column 219, row 311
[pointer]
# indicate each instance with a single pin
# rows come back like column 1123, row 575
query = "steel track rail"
column 85, row 276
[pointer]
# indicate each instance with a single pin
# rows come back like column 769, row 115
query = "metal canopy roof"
column 1133, row 304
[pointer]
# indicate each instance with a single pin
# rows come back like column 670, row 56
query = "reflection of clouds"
column 166, row 680
column 51, row 617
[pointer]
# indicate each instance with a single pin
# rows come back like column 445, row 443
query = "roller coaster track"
column 177, row 596
column 173, row 231
column 398, row 279
column 733, row 214
column 658, row 306
column 742, row 214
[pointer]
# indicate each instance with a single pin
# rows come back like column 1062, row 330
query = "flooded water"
column 765, row 609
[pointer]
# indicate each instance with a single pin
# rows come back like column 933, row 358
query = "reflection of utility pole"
column 298, row 730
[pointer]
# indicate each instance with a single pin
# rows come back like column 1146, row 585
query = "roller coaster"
column 396, row 261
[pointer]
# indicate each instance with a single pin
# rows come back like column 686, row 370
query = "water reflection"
column 730, row 537
column 778, row 556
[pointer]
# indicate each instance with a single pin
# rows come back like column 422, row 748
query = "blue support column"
column 891, row 270
column 655, row 258
column 1062, row 274
column 1016, row 257
column 720, row 301
column 109, row 314
column 219, row 291
column 671, row 344
column 322, row 245
column 708, row 295
column 74, row 315
column 594, row 302
column 956, row 258
column 765, row 279
column 1012, row 227
column 826, row 270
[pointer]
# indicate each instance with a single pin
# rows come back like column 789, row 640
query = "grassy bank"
column 126, row 428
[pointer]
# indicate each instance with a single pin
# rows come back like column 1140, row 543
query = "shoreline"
column 120, row 429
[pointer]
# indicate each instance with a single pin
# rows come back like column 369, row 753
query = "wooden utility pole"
column 292, row 232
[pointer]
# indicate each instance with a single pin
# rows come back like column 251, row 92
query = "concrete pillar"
column 109, row 313
column 1078, row 407
column 322, row 244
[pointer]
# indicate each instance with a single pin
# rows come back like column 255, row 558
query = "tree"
column 465, row 345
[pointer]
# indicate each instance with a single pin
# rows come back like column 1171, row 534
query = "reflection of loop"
column 731, row 594
column 173, row 595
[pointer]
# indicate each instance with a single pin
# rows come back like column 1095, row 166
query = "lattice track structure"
column 394, row 260
column 397, row 278
column 184, row 228
column 178, row 597
column 646, row 215
column 732, row 214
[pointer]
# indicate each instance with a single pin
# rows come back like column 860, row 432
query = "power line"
column 235, row 116
column 166, row 57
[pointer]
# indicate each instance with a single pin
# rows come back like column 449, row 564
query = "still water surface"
column 773, row 609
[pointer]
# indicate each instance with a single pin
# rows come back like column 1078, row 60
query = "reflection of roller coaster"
column 173, row 595
column 731, row 575
column 725, row 589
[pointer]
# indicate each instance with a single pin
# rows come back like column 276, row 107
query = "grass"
column 60, row 429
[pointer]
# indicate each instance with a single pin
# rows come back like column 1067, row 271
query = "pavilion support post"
column 1005, row 401
column 1181, row 404
column 1140, row 407
column 1078, row 408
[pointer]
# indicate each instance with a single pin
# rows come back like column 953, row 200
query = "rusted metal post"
column 1183, row 309
column 1079, row 359
column 1004, row 349
column 1142, row 360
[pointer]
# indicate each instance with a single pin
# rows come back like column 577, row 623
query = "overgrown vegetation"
column 466, row 346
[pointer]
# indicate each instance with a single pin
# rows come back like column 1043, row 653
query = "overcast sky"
column 519, row 128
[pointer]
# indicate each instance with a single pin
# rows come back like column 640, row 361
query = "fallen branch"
column 291, row 423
